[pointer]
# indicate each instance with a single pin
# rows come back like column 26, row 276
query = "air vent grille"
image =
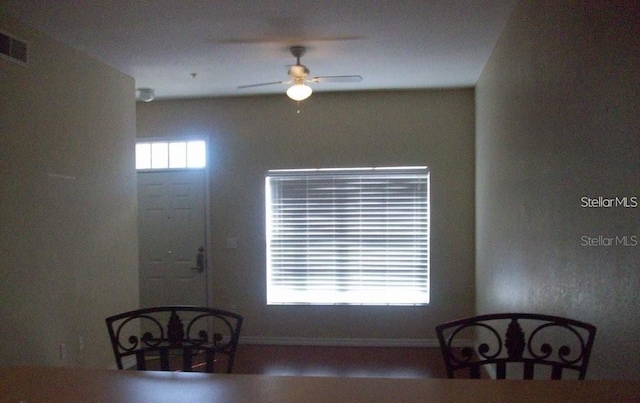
column 13, row 49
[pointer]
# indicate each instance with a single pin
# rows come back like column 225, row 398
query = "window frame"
column 171, row 143
column 274, row 271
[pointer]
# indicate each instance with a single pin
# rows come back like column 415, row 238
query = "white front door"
column 171, row 233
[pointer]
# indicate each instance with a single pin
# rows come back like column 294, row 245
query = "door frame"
column 207, row 202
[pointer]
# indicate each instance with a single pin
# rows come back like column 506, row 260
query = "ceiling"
column 200, row 48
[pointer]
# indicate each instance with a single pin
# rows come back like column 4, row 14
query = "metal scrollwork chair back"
column 168, row 338
column 517, row 345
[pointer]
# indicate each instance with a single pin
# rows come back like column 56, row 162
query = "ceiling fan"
column 299, row 73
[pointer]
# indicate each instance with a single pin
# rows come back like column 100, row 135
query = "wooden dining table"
column 30, row 384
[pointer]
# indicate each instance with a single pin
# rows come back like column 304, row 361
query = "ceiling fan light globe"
column 299, row 92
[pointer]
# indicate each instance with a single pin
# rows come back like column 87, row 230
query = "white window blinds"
column 353, row 236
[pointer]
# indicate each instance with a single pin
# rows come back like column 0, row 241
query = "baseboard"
column 343, row 342
column 490, row 370
column 128, row 362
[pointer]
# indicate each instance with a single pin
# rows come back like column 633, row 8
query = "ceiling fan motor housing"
column 298, row 71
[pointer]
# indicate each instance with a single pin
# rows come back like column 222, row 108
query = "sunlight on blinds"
column 354, row 236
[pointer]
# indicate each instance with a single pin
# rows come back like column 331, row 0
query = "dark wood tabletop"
column 55, row 384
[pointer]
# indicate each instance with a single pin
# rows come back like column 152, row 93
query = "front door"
column 171, row 233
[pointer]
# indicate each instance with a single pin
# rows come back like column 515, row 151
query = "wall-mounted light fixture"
column 145, row 94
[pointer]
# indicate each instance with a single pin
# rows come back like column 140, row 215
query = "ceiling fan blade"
column 263, row 84
column 336, row 79
column 283, row 40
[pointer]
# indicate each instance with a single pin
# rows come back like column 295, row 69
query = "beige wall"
column 558, row 112
column 68, row 254
column 253, row 134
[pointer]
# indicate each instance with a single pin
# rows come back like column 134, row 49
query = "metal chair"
column 516, row 345
column 173, row 346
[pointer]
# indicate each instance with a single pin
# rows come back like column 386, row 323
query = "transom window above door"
column 164, row 155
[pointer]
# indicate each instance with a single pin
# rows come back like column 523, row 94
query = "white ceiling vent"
column 13, row 49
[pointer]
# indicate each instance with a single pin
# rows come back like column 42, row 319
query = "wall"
column 68, row 242
column 253, row 134
column 557, row 114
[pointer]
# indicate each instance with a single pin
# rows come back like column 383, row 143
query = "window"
column 348, row 236
column 171, row 155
